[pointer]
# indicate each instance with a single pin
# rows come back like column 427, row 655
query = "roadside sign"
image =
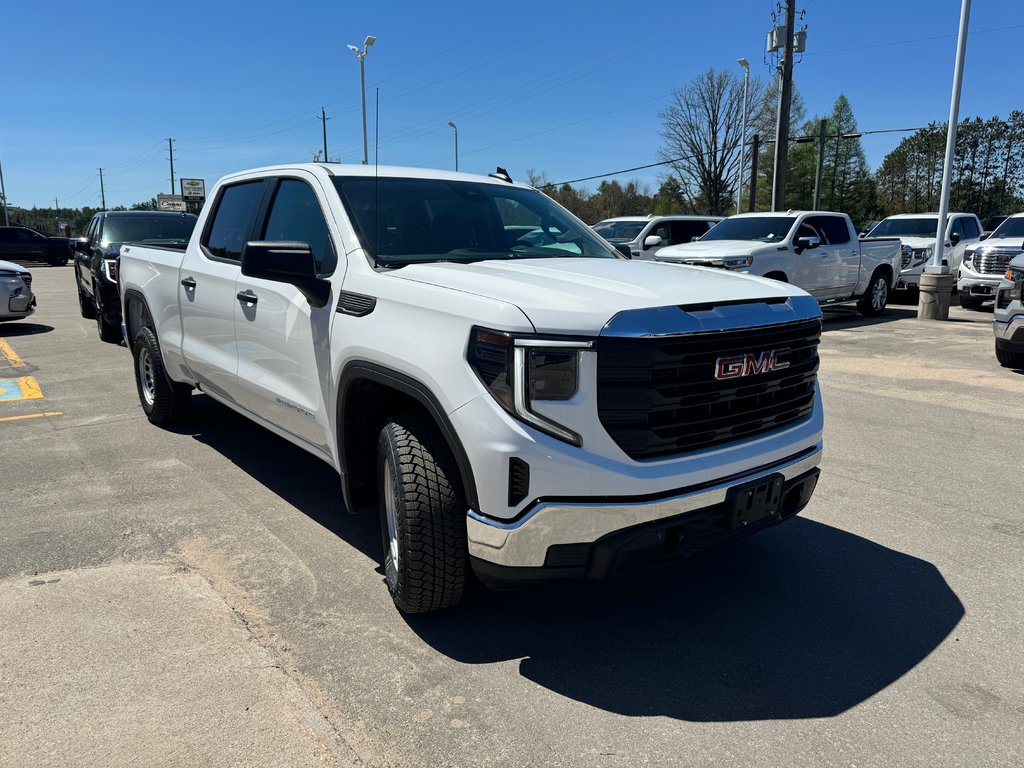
column 171, row 203
column 193, row 190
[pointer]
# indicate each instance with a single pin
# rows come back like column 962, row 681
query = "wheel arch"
column 136, row 315
column 368, row 393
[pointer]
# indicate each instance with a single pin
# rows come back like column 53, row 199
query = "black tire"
column 969, row 302
column 164, row 401
column 1009, row 359
column 873, row 302
column 425, row 552
column 108, row 332
column 85, row 305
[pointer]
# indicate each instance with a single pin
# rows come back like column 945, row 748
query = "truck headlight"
column 737, row 262
column 110, row 269
column 520, row 370
column 968, row 257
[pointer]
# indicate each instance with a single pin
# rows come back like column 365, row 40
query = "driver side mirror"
column 652, row 241
column 81, row 246
column 624, row 250
column 954, row 238
column 807, row 243
column 984, row 235
column 286, row 262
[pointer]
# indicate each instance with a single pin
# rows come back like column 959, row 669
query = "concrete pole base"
column 933, row 298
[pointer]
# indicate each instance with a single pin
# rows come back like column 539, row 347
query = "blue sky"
column 571, row 88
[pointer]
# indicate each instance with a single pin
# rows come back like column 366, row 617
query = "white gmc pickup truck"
column 520, row 408
column 815, row 250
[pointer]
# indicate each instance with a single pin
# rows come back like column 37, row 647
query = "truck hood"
column 712, row 249
column 919, row 242
column 580, row 295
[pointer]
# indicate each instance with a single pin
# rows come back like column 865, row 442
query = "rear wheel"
column 422, row 515
column 873, row 301
column 1009, row 359
column 970, row 302
column 164, row 401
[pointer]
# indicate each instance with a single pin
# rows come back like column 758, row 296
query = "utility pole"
column 103, row 195
column 821, row 166
column 323, row 119
column 170, row 147
column 361, row 55
column 785, row 100
column 3, row 196
column 755, row 150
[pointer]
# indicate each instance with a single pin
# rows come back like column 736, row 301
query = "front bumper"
column 566, row 539
column 1010, row 332
column 908, row 280
column 975, row 284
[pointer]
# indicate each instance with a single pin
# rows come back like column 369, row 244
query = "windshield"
column 764, row 229
column 410, row 221
column 1010, row 228
column 906, row 228
column 619, row 231
column 154, row 228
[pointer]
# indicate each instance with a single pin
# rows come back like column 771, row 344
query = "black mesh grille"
column 659, row 396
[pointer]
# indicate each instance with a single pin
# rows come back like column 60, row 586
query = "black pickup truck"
column 96, row 258
column 23, row 243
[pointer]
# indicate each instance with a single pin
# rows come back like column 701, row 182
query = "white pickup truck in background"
column 917, row 233
column 523, row 406
column 816, row 250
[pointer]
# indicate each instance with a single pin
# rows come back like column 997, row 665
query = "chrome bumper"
column 1006, row 331
column 525, row 542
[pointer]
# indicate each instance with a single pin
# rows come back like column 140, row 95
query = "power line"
column 912, row 40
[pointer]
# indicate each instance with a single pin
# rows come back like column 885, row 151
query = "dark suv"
column 25, row 243
column 96, row 258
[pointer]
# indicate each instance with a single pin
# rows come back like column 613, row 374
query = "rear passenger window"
column 233, row 220
column 685, row 231
column 832, row 228
column 295, row 215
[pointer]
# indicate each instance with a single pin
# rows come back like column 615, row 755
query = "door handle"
column 248, row 297
column 189, row 283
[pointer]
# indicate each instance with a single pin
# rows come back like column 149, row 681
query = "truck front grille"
column 659, row 396
column 993, row 262
column 905, row 259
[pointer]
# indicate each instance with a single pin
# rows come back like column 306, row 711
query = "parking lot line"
column 21, row 388
column 12, row 357
column 32, row 416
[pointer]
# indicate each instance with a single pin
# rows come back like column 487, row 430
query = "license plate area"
column 754, row 502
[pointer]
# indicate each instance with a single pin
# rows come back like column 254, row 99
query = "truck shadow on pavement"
column 803, row 620
column 288, row 471
column 11, row 329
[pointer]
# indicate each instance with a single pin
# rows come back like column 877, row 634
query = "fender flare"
column 357, row 370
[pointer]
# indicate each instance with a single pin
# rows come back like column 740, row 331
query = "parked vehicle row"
column 524, row 410
column 815, row 250
column 986, row 262
column 917, row 233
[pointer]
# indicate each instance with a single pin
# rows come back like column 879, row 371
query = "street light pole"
column 3, row 196
column 453, row 125
column 743, row 133
column 937, row 282
column 361, row 55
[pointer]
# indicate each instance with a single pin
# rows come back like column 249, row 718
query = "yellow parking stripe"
column 31, row 416
column 11, row 355
column 29, row 388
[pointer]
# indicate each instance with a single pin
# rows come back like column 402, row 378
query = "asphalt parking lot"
column 201, row 596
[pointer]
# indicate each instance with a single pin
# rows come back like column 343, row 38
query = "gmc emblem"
column 738, row 366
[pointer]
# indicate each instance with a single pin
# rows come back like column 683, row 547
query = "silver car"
column 16, row 298
column 1008, row 319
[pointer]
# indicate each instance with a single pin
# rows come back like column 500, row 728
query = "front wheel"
column 970, row 302
column 422, row 516
column 1009, row 359
column 164, row 401
column 873, row 301
column 107, row 331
